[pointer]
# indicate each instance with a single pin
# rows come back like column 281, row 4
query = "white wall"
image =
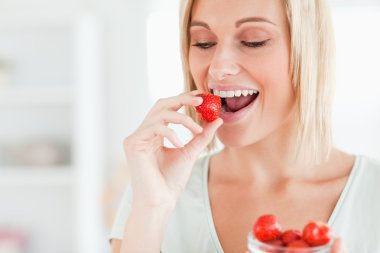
column 357, row 103
column 126, row 86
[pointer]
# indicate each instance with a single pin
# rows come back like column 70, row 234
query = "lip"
column 230, row 117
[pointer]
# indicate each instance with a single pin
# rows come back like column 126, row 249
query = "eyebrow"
column 252, row 19
column 237, row 24
column 199, row 23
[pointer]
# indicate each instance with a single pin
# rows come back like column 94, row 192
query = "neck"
column 268, row 159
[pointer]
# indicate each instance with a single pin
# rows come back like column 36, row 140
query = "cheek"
column 198, row 65
column 281, row 78
column 271, row 71
column 279, row 95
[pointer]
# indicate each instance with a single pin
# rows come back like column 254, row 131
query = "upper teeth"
column 233, row 93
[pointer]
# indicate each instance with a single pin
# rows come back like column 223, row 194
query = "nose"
column 224, row 64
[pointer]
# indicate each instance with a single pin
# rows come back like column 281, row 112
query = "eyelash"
column 205, row 45
column 253, row 44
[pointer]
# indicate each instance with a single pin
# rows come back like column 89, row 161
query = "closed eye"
column 204, row 45
column 254, row 44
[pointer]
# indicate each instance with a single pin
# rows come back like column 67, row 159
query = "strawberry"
column 210, row 107
column 275, row 243
column 267, row 228
column 316, row 233
column 298, row 244
column 291, row 235
column 295, row 246
column 275, row 249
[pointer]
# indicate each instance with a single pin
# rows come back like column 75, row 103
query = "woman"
column 278, row 156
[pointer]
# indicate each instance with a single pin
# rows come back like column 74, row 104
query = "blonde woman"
column 278, row 156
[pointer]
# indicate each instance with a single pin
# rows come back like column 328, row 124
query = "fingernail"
column 216, row 123
column 180, row 144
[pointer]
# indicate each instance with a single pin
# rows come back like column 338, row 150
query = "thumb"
column 338, row 246
column 200, row 141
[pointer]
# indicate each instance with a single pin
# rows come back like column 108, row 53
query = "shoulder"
column 367, row 170
column 358, row 208
column 363, row 187
column 369, row 163
column 364, row 178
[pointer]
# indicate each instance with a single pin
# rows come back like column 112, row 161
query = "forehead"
column 226, row 12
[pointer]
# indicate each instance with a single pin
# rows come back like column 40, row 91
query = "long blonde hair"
column 312, row 69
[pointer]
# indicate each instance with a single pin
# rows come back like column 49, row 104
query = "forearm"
column 145, row 230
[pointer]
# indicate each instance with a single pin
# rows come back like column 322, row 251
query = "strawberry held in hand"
column 210, row 107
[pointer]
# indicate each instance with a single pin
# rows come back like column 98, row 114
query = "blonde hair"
column 312, row 68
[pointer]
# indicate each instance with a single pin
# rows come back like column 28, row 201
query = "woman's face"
column 239, row 47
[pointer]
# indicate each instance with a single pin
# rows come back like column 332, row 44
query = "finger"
column 338, row 246
column 161, row 131
column 176, row 102
column 200, row 141
column 168, row 134
column 194, row 92
column 170, row 117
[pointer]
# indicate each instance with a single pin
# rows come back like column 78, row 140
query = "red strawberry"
column 267, row 228
column 210, row 108
column 275, row 243
column 296, row 245
column 291, row 235
column 316, row 233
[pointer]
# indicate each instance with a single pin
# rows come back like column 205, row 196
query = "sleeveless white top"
column 356, row 216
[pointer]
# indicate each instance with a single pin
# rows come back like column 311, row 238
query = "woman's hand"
column 159, row 174
column 338, row 246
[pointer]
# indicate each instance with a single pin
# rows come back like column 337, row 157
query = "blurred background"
column 77, row 76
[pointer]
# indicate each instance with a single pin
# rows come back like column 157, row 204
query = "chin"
column 235, row 139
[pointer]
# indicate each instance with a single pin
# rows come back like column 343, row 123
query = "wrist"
column 146, row 224
column 159, row 210
column 159, row 204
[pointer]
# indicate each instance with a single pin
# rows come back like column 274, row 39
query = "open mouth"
column 236, row 100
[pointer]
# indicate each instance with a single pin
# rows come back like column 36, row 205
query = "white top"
column 191, row 227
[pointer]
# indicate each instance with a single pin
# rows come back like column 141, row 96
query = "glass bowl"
column 256, row 246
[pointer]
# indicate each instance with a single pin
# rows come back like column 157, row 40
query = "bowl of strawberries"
column 267, row 236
